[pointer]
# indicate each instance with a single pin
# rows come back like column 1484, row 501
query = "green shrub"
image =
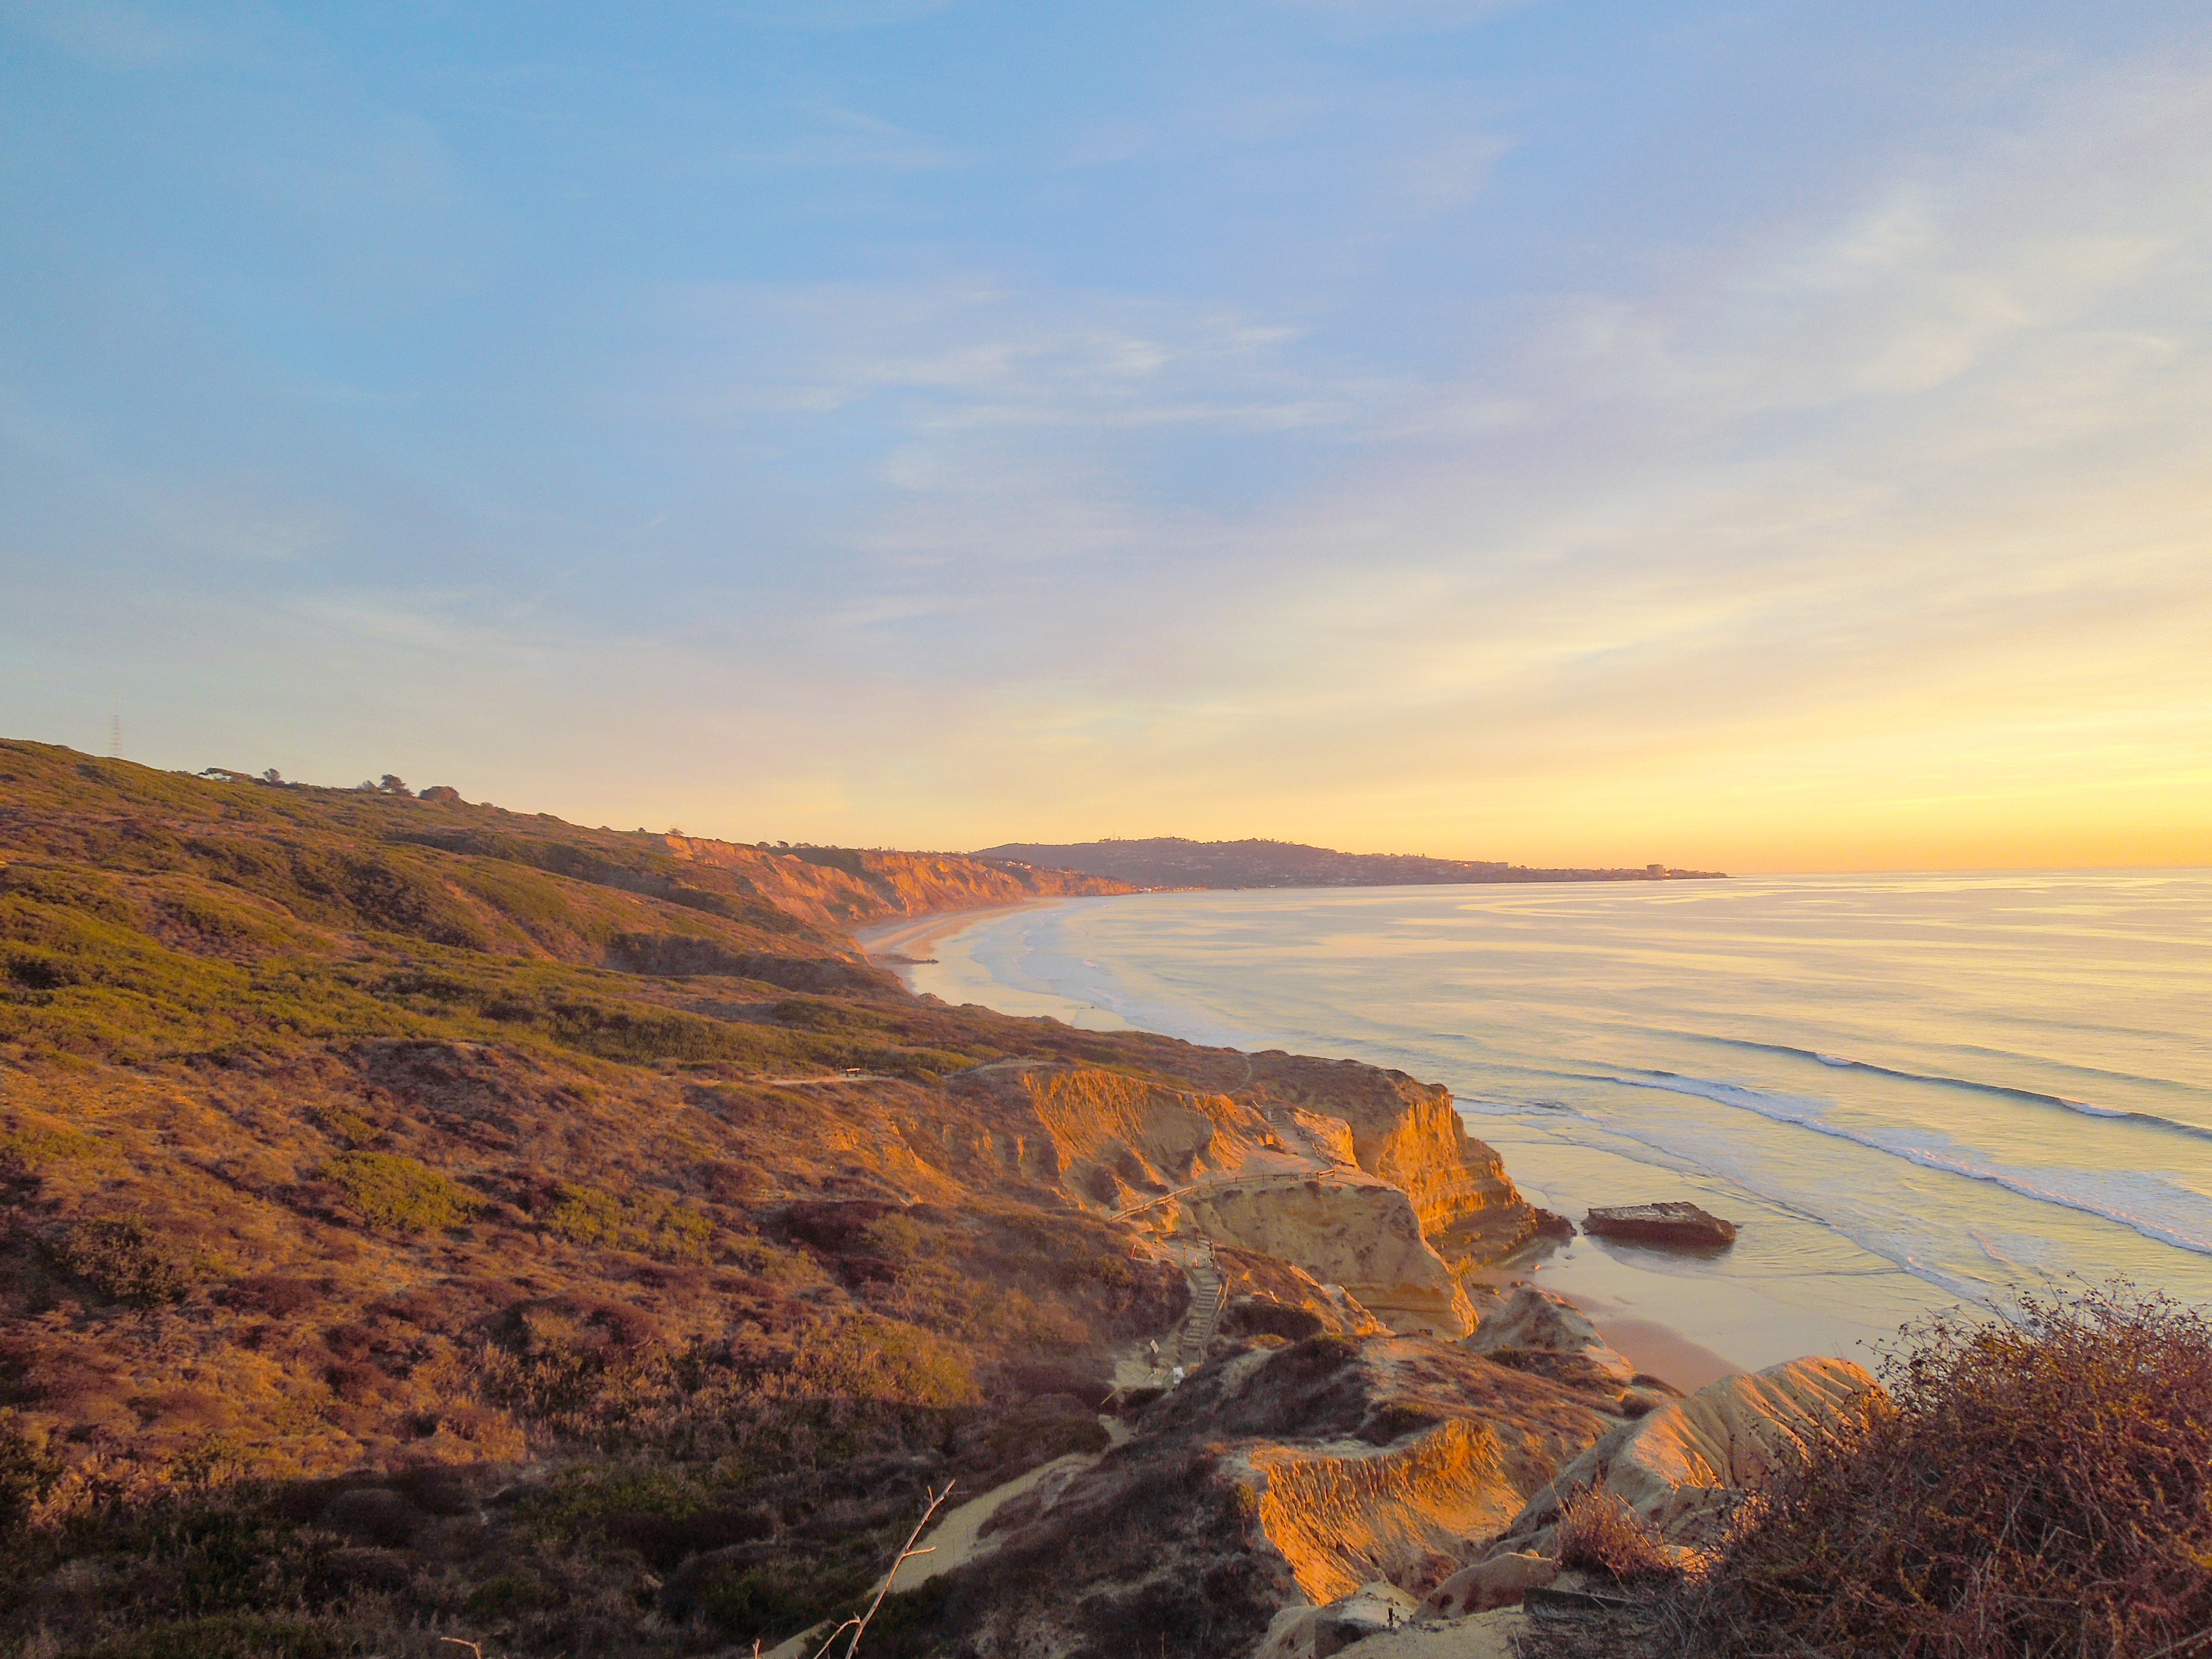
column 650, row 1223
column 836, row 1019
column 217, row 926
column 881, row 1360
column 594, row 1491
column 509, row 1594
column 28, row 1472
column 73, row 889
column 350, row 1127
column 32, row 1148
column 1034, row 1440
column 389, row 1190
column 124, row 1262
column 779, row 1599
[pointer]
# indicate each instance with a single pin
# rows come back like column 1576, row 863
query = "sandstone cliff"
column 1346, row 1516
column 1352, row 1174
column 1408, row 1134
column 845, row 887
column 1279, row 1476
column 1214, row 1165
column 1547, row 1334
column 1111, row 1138
column 1343, row 1227
column 1267, row 1296
column 1685, row 1465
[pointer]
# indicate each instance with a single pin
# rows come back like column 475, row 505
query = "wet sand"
column 1657, row 1350
column 1666, row 1354
column 915, row 937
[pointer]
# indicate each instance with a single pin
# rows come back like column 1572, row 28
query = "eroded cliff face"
column 1267, row 1296
column 1344, row 1228
column 1685, row 1467
column 1407, row 1133
column 843, row 887
column 1279, row 1475
column 1356, row 1196
column 1109, row 1139
column 1343, row 1517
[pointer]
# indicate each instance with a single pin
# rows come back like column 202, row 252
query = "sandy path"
column 958, row 1538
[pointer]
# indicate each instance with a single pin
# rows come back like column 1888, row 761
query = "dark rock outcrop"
column 1676, row 1225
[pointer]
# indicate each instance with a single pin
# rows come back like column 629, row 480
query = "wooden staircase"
column 1204, row 1274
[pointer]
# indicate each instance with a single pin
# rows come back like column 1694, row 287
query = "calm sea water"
column 1910, row 1090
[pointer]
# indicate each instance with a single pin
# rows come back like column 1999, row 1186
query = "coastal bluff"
column 1408, row 1134
column 441, row 1216
column 1359, row 1178
column 851, row 887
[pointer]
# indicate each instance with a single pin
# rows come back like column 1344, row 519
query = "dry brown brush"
column 1600, row 1532
column 2035, row 1489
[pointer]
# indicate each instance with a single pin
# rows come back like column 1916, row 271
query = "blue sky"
column 1767, row 434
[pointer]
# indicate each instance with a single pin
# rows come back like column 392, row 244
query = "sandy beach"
column 915, row 937
column 906, row 946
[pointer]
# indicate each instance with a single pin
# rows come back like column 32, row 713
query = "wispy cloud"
column 1401, row 16
column 839, row 137
column 1289, row 449
column 937, row 358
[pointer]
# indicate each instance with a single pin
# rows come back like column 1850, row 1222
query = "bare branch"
column 906, row 1554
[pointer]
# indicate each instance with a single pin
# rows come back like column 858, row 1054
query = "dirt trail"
column 956, row 1539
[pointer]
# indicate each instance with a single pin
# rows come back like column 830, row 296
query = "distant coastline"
column 1170, row 863
column 1899, row 1142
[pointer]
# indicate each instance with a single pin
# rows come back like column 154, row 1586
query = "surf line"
column 2003, row 1090
column 1734, row 1096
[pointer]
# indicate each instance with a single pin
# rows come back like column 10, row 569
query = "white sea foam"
column 1908, row 1088
column 2156, row 1208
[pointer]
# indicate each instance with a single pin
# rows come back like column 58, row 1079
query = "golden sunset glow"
column 1403, row 467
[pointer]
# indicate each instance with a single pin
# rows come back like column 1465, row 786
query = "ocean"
column 1911, row 1091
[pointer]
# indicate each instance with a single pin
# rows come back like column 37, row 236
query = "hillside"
column 1171, row 861
column 421, row 1218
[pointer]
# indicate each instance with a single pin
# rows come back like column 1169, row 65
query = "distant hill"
column 1172, row 861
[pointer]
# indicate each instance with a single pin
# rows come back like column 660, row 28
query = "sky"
column 1755, row 435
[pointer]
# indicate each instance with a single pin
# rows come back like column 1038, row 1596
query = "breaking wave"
column 2156, row 1209
column 2000, row 1090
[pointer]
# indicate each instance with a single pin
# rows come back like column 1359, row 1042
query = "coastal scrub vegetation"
column 422, row 1219
column 2038, row 1485
column 1600, row 1533
column 2034, row 1487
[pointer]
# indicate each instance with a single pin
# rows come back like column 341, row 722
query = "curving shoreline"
column 1792, row 1289
column 1653, row 1345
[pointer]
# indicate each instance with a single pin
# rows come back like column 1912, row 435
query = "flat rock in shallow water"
column 1675, row 1223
